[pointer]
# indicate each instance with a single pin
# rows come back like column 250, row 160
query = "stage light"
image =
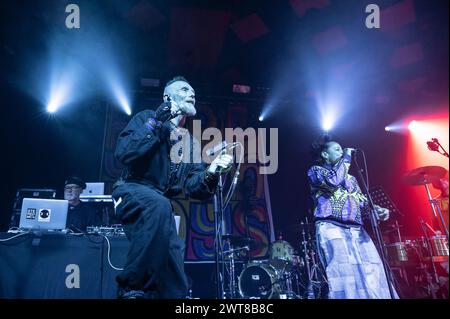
column 124, row 103
column 118, row 92
column 126, row 107
column 418, row 154
column 261, row 118
column 59, row 94
column 327, row 123
column 51, row 107
column 413, row 125
column 387, row 128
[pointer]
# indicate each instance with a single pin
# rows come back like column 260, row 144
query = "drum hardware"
column 230, row 253
column 312, row 267
column 434, row 146
column 401, row 252
column 236, row 244
column 434, row 274
column 426, row 175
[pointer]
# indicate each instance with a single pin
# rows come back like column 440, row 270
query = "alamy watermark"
column 373, row 19
column 73, row 279
column 261, row 147
column 73, row 17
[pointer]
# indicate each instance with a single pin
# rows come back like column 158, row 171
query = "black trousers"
column 155, row 259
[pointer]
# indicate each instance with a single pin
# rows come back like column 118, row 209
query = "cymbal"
column 240, row 241
column 424, row 175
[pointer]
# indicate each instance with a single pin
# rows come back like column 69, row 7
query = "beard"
column 189, row 109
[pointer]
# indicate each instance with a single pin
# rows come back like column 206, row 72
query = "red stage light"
column 418, row 155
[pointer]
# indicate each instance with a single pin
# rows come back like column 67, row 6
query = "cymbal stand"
column 232, row 269
column 312, row 267
column 436, row 207
column 398, row 231
column 433, row 265
column 309, row 288
column 285, row 276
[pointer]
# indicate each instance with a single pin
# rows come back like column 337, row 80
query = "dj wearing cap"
column 80, row 214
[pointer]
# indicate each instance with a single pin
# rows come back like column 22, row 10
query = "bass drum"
column 259, row 281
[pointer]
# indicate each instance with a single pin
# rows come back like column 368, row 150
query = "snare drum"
column 259, row 281
column 281, row 253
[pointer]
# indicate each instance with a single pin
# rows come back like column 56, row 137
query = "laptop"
column 43, row 214
column 93, row 189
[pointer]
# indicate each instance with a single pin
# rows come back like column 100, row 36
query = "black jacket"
column 145, row 150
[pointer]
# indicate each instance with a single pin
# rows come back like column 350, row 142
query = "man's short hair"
column 175, row 79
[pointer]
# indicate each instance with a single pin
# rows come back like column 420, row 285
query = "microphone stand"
column 376, row 229
column 218, row 214
column 219, row 229
column 435, row 140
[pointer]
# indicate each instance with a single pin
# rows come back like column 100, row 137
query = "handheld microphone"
column 353, row 151
column 219, row 147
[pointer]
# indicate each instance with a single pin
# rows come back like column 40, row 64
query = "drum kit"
column 432, row 248
column 290, row 275
column 263, row 279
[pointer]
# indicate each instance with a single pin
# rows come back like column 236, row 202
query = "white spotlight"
column 124, row 103
column 51, row 107
column 261, row 118
column 327, row 124
column 119, row 94
column 413, row 125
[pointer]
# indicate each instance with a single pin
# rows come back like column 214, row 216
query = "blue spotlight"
column 124, row 104
column 119, row 94
column 60, row 92
column 261, row 118
column 51, row 107
column 327, row 123
column 396, row 127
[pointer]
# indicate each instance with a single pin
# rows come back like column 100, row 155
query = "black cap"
column 75, row 180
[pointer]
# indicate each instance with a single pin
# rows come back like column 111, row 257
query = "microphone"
column 353, row 151
column 433, row 145
column 219, row 147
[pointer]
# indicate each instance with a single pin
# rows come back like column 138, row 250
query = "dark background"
column 289, row 52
